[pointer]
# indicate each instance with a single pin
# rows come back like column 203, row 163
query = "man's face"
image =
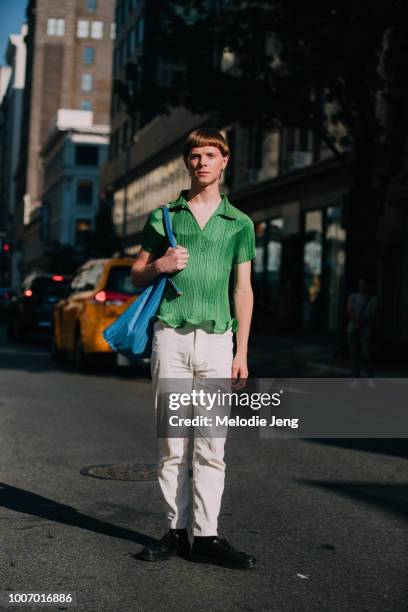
column 205, row 164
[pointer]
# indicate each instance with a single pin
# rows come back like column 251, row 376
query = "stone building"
column 72, row 157
column 69, row 64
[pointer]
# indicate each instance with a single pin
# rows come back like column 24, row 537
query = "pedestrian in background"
column 361, row 310
column 193, row 337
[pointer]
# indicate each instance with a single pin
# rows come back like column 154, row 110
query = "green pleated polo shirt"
column 228, row 238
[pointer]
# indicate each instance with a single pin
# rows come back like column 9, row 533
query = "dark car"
column 32, row 307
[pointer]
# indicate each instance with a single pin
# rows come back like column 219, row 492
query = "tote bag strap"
column 172, row 240
column 167, row 224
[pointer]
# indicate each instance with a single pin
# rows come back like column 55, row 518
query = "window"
column 334, row 259
column 88, row 277
column 297, row 149
column 122, row 53
column 140, row 35
column 304, row 140
column 125, row 133
column 55, row 27
column 97, row 29
column 133, row 4
column 88, row 56
column 134, row 124
column 84, row 193
column 132, row 41
column 116, row 142
column 118, row 16
column 274, row 251
column 312, row 269
column 259, row 263
column 60, row 27
column 165, row 75
column 267, row 267
column 86, row 155
column 86, row 105
column 135, row 37
column 82, row 231
column 113, row 31
column 86, row 82
column 120, row 280
column 112, row 146
column 255, row 146
column 168, row 72
column 83, row 29
column 90, row 5
column 129, row 43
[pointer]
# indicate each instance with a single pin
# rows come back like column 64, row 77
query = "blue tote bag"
column 131, row 334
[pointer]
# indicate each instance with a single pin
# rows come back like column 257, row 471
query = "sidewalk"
column 307, row 355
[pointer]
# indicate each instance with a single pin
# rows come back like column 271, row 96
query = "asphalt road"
column 326, row 521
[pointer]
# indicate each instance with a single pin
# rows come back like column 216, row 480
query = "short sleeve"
column 245, row 243
column 153, row 238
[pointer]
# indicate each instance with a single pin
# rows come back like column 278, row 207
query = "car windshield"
column 49, row 288
column 120, row 281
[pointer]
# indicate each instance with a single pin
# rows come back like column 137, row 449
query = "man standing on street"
column 193, row 337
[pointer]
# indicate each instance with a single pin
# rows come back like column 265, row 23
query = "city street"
column 326, row 521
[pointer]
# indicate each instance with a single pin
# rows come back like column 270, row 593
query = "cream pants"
column 190, row 353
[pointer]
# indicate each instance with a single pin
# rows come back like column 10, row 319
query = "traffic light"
column 4, row 260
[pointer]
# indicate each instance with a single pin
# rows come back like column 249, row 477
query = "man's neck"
column 204, row 196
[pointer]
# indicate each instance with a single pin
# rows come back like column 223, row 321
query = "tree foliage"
column 335, row 67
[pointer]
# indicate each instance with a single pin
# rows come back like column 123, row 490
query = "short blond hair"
column 206, row 137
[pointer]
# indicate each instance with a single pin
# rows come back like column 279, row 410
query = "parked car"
column 6, row 295
column 100, row 291
column 31, row 308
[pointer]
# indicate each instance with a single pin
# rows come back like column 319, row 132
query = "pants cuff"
column 177, row 525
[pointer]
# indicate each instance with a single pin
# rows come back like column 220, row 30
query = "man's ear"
column 225, row 160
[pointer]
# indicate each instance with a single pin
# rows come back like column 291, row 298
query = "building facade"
column 11, row 118
column 72, row 157
column 69, row 66
column 5, row 73
column 265, row 175
column 290, row 185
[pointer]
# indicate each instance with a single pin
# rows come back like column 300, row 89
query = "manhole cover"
column 124, row 471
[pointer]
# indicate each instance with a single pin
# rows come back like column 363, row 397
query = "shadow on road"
column 20, row 500
column 388, row 497
column 387, row 446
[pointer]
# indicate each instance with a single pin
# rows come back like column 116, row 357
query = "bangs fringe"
column 206, row 137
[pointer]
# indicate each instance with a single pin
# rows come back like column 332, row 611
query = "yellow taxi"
column 99, row 292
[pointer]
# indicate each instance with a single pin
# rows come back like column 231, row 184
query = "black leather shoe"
column 173, row 543
column 219, row 552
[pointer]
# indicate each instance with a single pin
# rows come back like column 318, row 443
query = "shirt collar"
column 225, row 208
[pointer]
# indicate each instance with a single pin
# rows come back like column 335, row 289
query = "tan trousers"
column 191, row 353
